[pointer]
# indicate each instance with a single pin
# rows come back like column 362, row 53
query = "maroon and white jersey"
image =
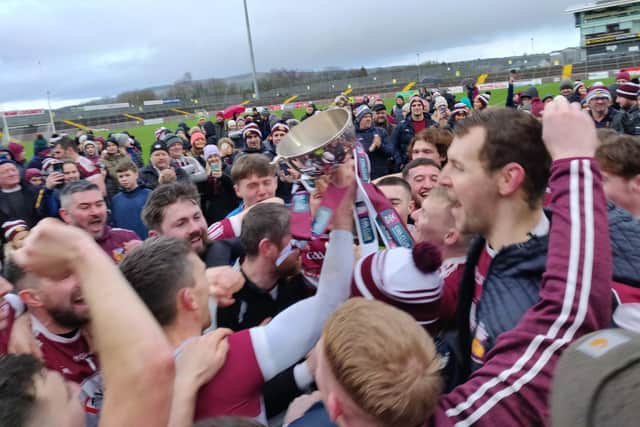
column 235, row 389
column 113, row 240
column 258, row 354
column 312, row 257
column 627, row 312
column 69, row 356
column 226, row 228
column 10, row 308
column 513, row 385
column 86, row 167
column 480, row 335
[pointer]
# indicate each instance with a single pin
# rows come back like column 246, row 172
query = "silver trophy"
column 316, row 146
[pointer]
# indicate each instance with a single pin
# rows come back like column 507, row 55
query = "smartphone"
column 215, row 167
column 57, row 167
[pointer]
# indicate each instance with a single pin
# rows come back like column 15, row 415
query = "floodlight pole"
column 5, row 126
column 253, row 60
column 53, row 126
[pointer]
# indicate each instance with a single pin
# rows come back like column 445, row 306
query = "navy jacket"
column 316, row 416
column 126, row 209
column 35, row 162
column 513, row 281
column 401, row 138
column 50, row 206
column 378, row 158
column 609, row 120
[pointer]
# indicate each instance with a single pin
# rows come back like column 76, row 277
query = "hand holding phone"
column 216, row 168
column 54, row 180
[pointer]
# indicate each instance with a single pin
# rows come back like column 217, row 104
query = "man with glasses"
column 599, row 101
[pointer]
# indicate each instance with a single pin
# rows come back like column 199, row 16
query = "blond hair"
column 384, row 360
column 441, row 194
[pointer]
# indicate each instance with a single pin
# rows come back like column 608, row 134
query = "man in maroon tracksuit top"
column 512, row 386
column 82, row 205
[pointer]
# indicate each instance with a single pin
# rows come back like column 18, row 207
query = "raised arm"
column 512, row 388
column 136, row 362
column 292, row 333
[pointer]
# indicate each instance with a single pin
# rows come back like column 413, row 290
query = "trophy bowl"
column 319, row 144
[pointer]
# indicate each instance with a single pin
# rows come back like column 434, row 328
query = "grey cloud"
column 104, row 47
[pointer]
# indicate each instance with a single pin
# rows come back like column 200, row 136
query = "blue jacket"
column 35, row 162
column 50, row 205
column 316, row 416
column 513, row 281
column 135, row 157
column 379, row 158
column 126, row 210
column 625, row 245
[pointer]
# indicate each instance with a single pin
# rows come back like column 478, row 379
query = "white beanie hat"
column 407, row 279
column 210, row 150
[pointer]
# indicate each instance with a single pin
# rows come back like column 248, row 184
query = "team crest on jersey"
column 479, row 343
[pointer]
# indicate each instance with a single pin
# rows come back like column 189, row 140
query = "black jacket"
column 253, row 305
column 32, row 199
column 609, row 120
column 210, row 131
column 149, row 176
column 218, row 196
column 401, row 138
column 221, row 130
column 223, row 252
column 627, row 121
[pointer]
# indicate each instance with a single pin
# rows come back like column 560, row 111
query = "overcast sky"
column 79, row 49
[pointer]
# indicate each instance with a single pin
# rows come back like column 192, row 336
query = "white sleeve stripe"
column 574, row 257
column 214, row 231
column 580, row 315
column 236, row 224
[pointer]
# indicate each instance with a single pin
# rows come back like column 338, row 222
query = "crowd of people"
column 188, row 288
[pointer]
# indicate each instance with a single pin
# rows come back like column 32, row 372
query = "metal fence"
column 380, row 82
